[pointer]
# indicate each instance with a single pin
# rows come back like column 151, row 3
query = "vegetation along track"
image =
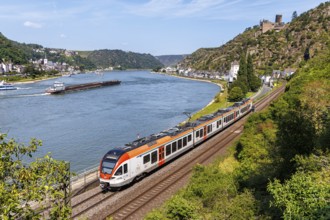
column 135, row 205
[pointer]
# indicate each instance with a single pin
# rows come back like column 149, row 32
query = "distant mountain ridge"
column 287, row 48
column 171, row 60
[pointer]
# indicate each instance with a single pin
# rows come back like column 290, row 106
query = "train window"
column 201, row 132
column 125, row 168
column 173, row 147
column 154, row 157
column 189, row 138
column 168, row 150
column 209, row 128
column 119, row 171
column 197, row 134
column 218, row 123
column 146, row 159
column 179, row 144
column 108, row 165
column 184, row 141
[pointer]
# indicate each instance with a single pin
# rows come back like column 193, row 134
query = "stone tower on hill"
column 266, row 25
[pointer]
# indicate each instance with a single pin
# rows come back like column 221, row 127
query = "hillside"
column 124, row 60
column 10, row 51
column 170, row 60
column 270, row 50
column 21, row 53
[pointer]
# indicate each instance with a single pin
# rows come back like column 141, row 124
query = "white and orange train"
column 123, row 165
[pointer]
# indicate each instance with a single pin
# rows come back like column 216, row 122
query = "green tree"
column 23, row 185
column 294, row 15
column 253, row 81
column 241, row 84
column 179, row 208
column 235, row 94
column 32, row 71
column 306, row 54
column 242, row 72
column 304, row 196
column 242, row 80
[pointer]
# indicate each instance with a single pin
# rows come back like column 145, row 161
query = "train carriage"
column 122, row 165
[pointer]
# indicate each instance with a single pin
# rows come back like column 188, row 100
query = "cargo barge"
column 59, row 87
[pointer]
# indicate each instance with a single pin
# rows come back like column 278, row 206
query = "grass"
column 220, row 101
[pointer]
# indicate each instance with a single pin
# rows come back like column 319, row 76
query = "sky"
column 158, row 27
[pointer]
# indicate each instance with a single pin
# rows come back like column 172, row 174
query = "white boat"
column 6, row 86
column 58, row 87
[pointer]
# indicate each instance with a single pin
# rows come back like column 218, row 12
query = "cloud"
column 31, row 24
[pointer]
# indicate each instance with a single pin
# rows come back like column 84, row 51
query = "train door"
column 122, row 172
column 161, row 155
column 205, row 132
column 125, row 172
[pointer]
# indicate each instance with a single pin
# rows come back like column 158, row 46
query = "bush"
column 235, row 94
column 180, row 208
column 304, row 196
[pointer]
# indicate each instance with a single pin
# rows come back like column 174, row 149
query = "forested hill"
column 124, row 60
column 13, row 51
column 303, row 36
column 21, row 53
column 170, row 60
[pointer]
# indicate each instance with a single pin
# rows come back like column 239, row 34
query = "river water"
column 82, row 126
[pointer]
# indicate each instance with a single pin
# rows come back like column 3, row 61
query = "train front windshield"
column 108, row 165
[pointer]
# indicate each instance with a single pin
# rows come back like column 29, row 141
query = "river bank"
column 28, row 81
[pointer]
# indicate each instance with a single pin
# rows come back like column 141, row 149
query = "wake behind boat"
column 6, row 86
column 59, row 87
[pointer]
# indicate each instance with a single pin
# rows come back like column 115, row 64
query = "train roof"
column 114, row 153
column 150, row 140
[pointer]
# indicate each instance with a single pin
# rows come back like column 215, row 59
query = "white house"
column 234, row 67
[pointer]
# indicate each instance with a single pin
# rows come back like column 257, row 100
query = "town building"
column 234, row 67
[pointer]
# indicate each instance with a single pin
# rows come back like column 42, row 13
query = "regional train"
column 124, row 165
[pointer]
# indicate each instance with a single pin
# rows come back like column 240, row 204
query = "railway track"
column 135, row 201
column 82, row 203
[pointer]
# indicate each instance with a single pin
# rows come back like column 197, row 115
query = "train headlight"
column 104, row 185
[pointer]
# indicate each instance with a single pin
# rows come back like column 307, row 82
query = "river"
column 82, row 126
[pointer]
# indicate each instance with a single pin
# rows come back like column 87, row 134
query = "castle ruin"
column 266, row 25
